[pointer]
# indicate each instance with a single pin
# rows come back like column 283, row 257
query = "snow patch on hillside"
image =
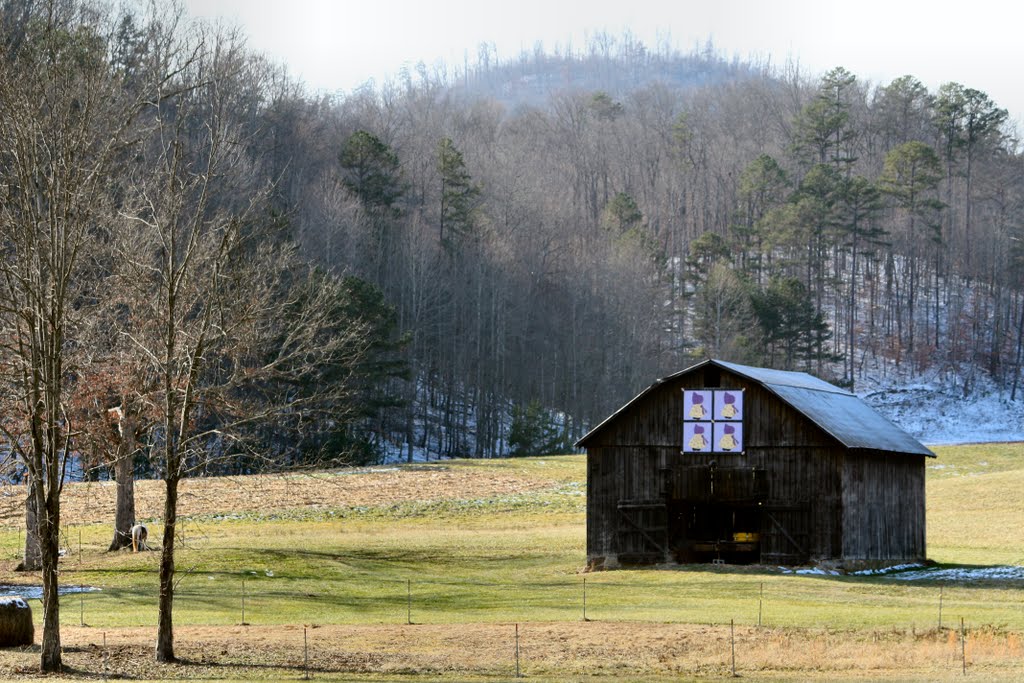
column 937, row 412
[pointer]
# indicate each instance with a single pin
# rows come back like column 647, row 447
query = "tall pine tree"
column 459, row 195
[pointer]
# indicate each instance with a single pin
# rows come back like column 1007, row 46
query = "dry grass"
column 549, row 651
column 93, row 502
column 975, row 506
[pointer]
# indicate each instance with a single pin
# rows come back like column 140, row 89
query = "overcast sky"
column 337, row 45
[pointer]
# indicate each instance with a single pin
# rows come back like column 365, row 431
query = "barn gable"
column 820, row 476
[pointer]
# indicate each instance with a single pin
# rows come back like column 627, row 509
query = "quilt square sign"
column 728, row 437
column 713, row 421
column 728, row 405
column 698, row 405
column 697, row 437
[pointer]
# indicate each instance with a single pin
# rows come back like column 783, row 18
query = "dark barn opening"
column 725, row 463
column 716, row 514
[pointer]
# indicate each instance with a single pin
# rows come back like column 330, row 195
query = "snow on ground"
column 888, row 570
column 18, row 591
column 937, row 412
column 919, row 572
column 963, row 574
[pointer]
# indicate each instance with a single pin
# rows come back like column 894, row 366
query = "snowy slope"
column 938, row 414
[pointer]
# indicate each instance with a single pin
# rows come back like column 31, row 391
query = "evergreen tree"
column 344, row 432
column 969, row 121
column 623, row 219
column 459, row 194
column 705, row 251
column 902, row 111
column 534, row 432
column 859, row 202
column 762, row 187
column 370, row 170
column 604, row 107
column 793, row 332
column 621, row 214
column 372, row 173
column 382, row 369
column 815, row 212
column 823, row 132
column 912, row 172
column 723, row 317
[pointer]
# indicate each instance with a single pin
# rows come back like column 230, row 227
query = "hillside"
column 620, row 68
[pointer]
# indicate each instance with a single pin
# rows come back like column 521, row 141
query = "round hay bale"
column 15, row 622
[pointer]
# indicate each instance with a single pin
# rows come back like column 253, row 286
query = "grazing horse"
column 139, row 535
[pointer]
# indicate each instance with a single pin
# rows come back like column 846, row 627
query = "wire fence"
column 215, row 599
column 733, row 640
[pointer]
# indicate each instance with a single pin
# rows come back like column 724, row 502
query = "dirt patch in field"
column 547, row 651
column 93, row 502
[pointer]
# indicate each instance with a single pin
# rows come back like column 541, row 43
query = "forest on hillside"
column 475, row 261
column 550, row 256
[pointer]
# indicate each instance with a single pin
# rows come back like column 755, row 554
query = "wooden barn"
column 730, row 463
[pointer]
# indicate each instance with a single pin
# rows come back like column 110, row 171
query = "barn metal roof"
column 839, row 413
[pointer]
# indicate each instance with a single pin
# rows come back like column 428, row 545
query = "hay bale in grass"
column 15, row 622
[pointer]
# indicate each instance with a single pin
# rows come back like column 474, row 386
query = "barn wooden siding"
column 816, row 500
column 883, row 507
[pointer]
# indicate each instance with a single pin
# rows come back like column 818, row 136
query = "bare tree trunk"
column 124, row 516
column 124, row 473
column 49, row 526
column 32, row 560
column 165, row 622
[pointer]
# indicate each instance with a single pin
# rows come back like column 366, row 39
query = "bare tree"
column 234, row 328
column 64, row 120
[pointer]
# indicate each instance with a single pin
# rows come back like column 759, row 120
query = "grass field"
column 466, row 550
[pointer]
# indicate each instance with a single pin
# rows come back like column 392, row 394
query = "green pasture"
column 520, row 558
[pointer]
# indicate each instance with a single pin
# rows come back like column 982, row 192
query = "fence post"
column 305, row 654
column 963, row 646
column 732, row 642
column 518, row 674
column 760, row 600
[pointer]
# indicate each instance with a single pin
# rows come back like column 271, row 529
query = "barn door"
column 642, row 531
column 785, row 535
